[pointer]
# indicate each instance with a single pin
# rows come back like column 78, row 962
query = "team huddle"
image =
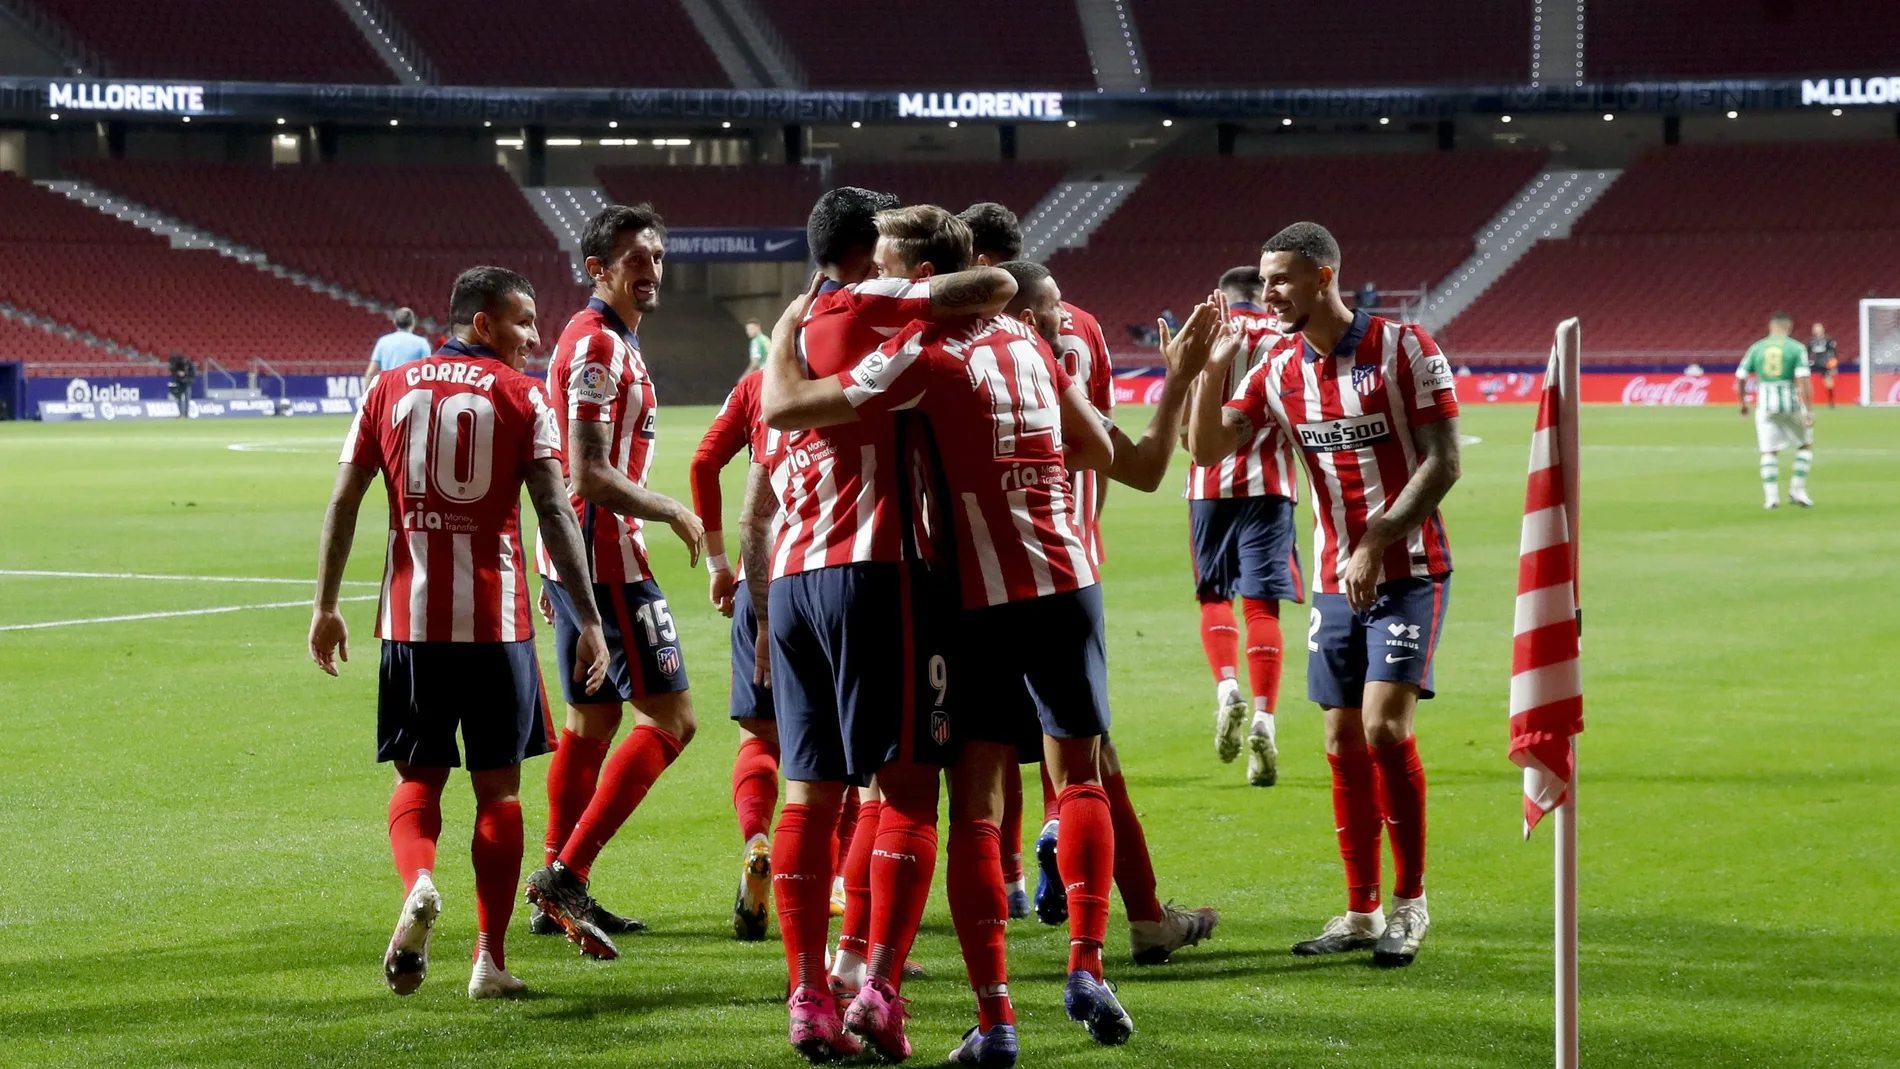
column 916, row 609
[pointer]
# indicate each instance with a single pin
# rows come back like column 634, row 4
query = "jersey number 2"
column 452, row 445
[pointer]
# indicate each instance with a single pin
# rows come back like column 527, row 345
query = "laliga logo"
column 1683, row 390
column 79, row 390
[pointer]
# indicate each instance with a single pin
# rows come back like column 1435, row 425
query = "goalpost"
column 1880, row 351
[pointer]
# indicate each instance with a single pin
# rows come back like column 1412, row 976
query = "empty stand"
column 68, row 263
column 567, row 43
column 1401, row 220
column 1228, row 43
column 238, row 40
column 1695, row 246
column 749, row 195
column 1723, row 38
column 398, row 235
column 973, row 44
column 28, row 343
column 956, row 185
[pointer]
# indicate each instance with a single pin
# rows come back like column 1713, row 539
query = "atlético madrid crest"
column 940, row 727
column 669, row 659
column 1366, row 379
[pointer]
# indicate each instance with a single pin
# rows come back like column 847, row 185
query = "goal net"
column 1880, row 351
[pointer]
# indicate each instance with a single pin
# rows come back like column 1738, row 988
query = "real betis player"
column 1784, row 408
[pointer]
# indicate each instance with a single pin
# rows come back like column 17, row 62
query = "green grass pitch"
column 197, row 873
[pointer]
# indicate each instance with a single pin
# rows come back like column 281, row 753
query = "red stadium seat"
column 755, row 195
column 957, row 184
column 1695, row 246
column 1401, row 220
column 1631, row 39
column 992, row 44
column 567, row 43
column 237, row 40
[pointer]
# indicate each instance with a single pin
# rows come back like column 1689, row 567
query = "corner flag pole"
column 1546, row 659
column 1568, row 352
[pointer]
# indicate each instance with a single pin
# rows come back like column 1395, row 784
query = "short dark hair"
column 844, row 221
column 603, row 231
column 993, row 229
column 1244, row 283
column 1781, row 317
column 480, row 289
column 1027, row 274
column 405, row 318
column 1308, row 241
column 926, row 234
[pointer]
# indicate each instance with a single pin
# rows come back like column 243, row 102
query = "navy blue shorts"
column 491, row 690
column 1244, row 547
column 749, row 700
column 642, row 642
column 1033, row 668
column 1392, row 642
column 859, row 677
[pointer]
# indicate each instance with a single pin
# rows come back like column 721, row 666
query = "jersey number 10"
column 451, row 445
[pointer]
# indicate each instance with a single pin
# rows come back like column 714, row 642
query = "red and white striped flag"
column 1546, row 673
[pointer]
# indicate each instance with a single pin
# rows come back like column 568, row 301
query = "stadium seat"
column 1694, row 246
column 1628, row 39
column 84, row 269
column 565, row 43
column 236, row 40
column 396, row 234
column 957, row 184
column 1227, row 43
column 1003, row 45
column 755, row 195
column 1401, row 220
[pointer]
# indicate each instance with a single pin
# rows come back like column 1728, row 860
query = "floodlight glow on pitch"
column 1071, row 122
column 1383, row 121
column 855, row 124
column 1734, row 115
column 1167, row 122
column 1607, row 117
column 1286, row 122
column 1504, row 118
column 613, row 124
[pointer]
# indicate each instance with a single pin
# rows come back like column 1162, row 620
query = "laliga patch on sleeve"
column 594, row 385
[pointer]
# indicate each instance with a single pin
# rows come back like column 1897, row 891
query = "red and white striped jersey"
column 1265, row 466
column 453, row 436
column 1353, row 412
column 837, row 487
column 597, row 375
column 991, row 389
column 1083, row 353
column 738, row 425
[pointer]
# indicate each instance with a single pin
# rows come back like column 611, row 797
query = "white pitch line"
column 33, row 572
column 167, row 615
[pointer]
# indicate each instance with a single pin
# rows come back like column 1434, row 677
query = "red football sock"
column 801, row 887
column 979, row 910
column 624, row 781
column 415, row 822
column 855, row 933
column 1051, row 808
column 902, row 864
column 755, row 786
column 496, row 851
column 1263, row 650
column 1088, row 868
column 1220, row 637
column 572, row 774
column 1356, row 816
column 1134, row 871
column 1401, row 777
column 847, row 831
column 1012, row 826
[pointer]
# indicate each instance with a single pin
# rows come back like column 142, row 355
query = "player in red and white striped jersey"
column 603, row 396
column 1374, row 408
column 455, row 436
column 1029, row 588
column 1155, row 929
column 1240, row 526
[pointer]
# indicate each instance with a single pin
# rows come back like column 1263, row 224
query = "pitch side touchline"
column 35, row 572
column 176, row 612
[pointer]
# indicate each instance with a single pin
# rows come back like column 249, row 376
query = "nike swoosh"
column 774, row 246
column 1389, row 659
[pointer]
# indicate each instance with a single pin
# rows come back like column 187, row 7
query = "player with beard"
column 1373, row 405
column 843, row 621
column 604, row 397
column 1156, row 929
column 455, row 436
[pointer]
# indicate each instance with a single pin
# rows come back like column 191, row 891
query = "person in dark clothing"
column 1825, row 358
column 182, row 373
